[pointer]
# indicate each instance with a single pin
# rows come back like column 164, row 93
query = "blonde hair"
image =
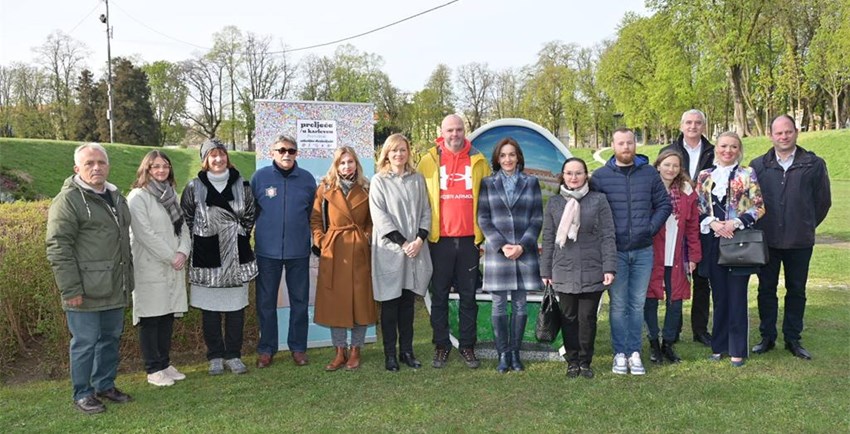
column 331, row 179
column 391, row 144
column 735, row 136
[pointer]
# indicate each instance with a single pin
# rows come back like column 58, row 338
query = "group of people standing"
column 640, row 231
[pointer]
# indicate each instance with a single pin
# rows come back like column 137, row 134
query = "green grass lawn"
column 772, row 393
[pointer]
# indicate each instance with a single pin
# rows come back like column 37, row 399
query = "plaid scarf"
column 675, row 196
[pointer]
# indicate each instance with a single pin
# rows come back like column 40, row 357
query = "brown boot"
column 338, row 361
column 353, row 359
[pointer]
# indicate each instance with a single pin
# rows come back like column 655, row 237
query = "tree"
column 61, row 56
column 474, row 81
column 203, row 76
column 505, row 94
column 266, row 76
column 227, row 50
column 549, row 82
column 829, row 60
column 133, row 117
column 86, row 113
column 168, row 99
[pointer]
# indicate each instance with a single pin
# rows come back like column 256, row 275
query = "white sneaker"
column 160, row 378
column 236, row 366
column 172, row 372
column 636, row 364
column 620, row 364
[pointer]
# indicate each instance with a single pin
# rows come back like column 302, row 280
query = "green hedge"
column 31, row 316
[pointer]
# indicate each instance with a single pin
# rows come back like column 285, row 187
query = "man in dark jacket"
column 640, row 205
column 284, row 194
column 795, row 186
column 698, row 155
column 88, row 246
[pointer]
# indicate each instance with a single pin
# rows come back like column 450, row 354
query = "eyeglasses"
column 160, row 166
column 571, row 174
column 290, row 151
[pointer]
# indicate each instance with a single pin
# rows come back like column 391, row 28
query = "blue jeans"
column 672, row 316
column 628, row 295
column 298, row 287
column 94, row 349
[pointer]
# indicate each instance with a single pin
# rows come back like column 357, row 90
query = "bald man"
column 453, row 170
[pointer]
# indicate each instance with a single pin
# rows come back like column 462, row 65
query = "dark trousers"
column 796, row 264
column 155, row 339
column 298, row 289
column 700, row 304
column 729, row 294
column 455, row 261
column 672, row 315
column 397, row 323
column 230, row 346
column 578, row 325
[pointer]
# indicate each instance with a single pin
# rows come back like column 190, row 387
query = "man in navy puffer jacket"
column 640, row 205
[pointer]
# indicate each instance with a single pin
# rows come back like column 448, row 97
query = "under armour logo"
column 455, row 177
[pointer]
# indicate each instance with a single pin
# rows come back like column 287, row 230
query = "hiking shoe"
column 573, row 371
column 468, row 355
column 620, row 364
column 236, row 366
column 160, row 378
column 216, row 366
column 586, row 372
column 172, row 372
column 636, row 364
column 441, row 357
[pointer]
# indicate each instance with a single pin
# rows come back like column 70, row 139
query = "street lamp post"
column 104, row 18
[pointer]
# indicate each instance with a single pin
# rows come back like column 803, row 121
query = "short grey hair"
column 89, row 145
column 693, row 112
column 283, row 138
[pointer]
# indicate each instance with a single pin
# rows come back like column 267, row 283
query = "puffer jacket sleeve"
column 249, row 216
column 187, row 203
column 607, row 237
column 661, row 207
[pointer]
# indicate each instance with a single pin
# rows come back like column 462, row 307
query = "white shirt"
column 693, row 158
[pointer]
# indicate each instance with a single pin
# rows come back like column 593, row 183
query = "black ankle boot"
column 655, row 354
column 517, row 333
column 391, row 363
column 504, row 362
column 669, row 352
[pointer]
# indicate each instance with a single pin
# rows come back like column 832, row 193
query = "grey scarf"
column 168, row 198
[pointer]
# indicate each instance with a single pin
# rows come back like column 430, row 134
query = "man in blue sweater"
column 640, row 205
column 284, row 193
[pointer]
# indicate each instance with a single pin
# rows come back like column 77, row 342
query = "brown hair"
column 494, row 161
column 331, row 179
column 143, row 172
column 682, row 178
column 391, row 144
column 205, row 165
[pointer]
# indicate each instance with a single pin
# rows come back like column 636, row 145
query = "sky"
column 500, row 33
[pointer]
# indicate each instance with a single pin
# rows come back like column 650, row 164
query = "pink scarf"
column 570, row 220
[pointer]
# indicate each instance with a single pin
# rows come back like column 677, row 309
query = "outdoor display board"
column 319, row 128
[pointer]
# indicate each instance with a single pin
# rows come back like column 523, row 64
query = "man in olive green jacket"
column 88, row 246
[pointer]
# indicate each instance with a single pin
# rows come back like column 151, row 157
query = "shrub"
column 31, row 315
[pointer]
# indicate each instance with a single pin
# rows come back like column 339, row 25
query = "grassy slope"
column 49, row 162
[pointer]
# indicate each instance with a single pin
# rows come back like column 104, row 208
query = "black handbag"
column 746, row 248
column 549, row 318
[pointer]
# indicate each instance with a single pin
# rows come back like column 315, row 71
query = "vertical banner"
column 319, row 128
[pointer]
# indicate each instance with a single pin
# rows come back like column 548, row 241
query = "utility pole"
column 104, row 18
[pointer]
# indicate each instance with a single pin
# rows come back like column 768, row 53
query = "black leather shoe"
column 764, row 346
column 391, row 364
column 703, row 338
column 115, row 395
column 797, row 350
column 410, row 360
column 90, row 405
column 669, row 352
column 655, row 354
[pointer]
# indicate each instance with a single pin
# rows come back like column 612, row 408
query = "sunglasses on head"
column 290, row 151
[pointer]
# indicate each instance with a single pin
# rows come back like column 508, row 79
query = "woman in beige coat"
column 161, row 243
column 401, row 265
column 341, row 226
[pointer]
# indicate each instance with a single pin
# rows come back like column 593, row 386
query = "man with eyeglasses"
column 697, row 155
column 284, row 195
